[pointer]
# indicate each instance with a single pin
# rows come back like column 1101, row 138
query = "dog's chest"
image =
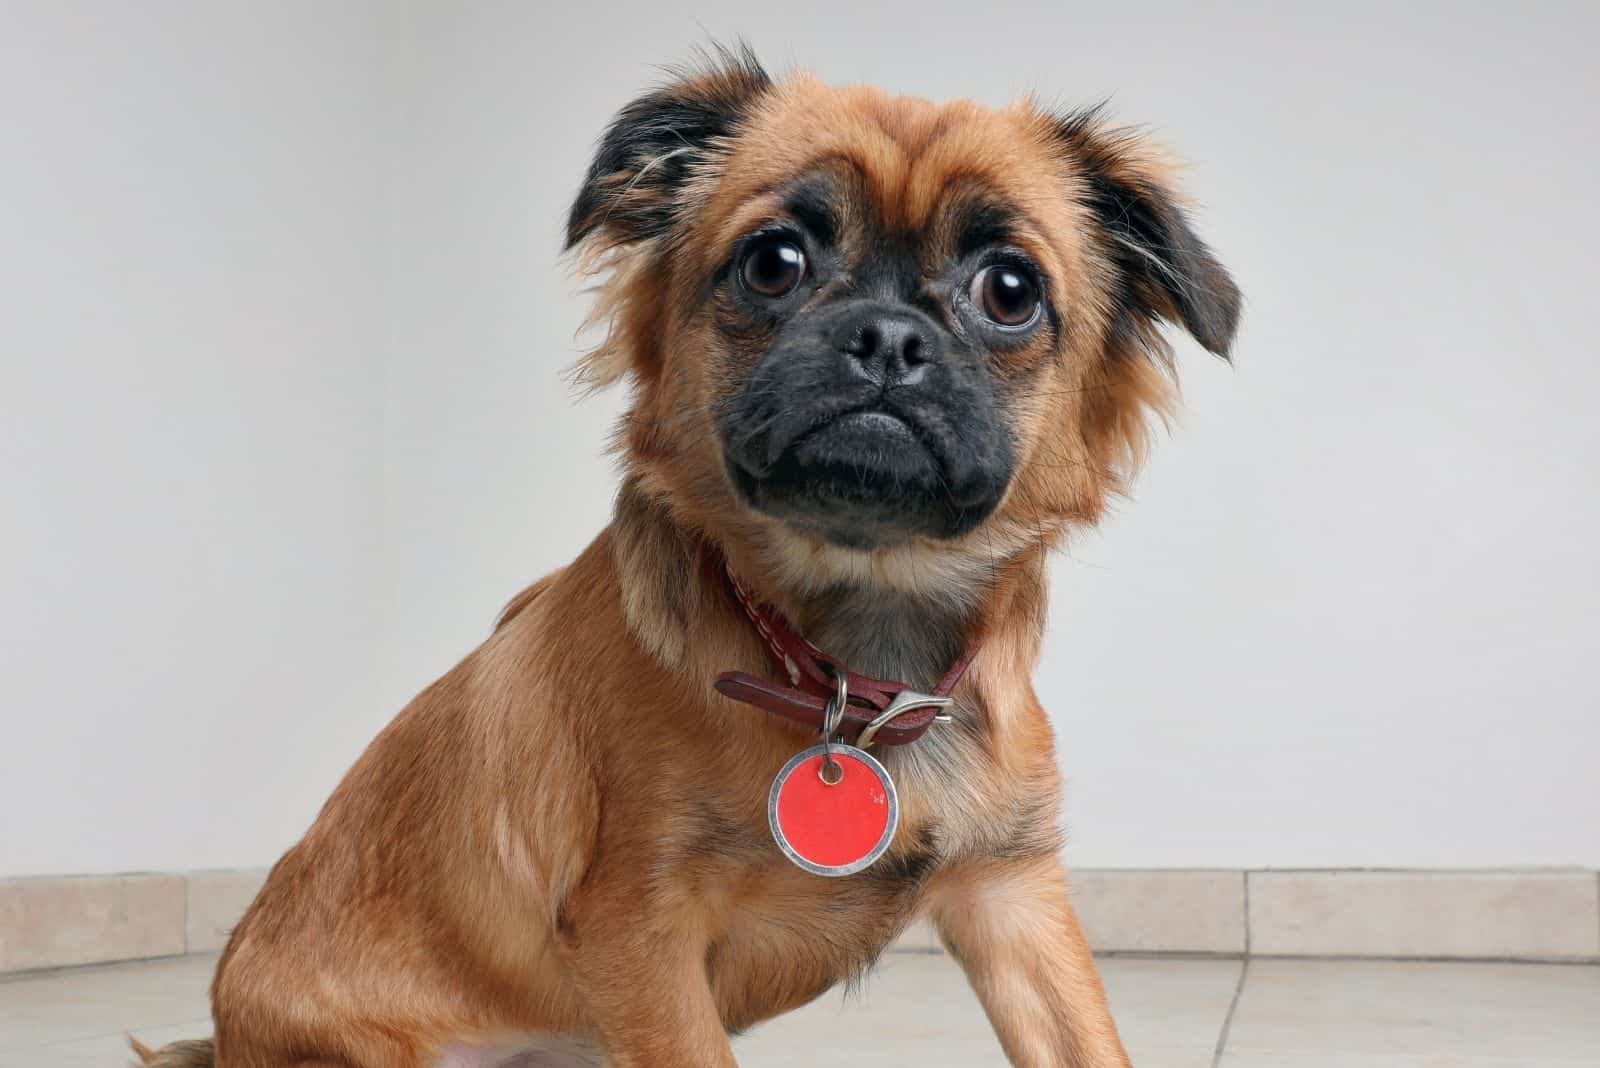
column 785, row 935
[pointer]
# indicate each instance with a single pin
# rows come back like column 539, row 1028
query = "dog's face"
column 867, row 403
column 869, row 325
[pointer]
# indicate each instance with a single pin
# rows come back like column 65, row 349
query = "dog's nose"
column 890, row 348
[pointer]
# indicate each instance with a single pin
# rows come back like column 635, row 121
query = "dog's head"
column 865, row 328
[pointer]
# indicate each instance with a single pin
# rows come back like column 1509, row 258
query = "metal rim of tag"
column 867, row 761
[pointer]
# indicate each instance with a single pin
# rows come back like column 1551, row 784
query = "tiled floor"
column 916, row 1010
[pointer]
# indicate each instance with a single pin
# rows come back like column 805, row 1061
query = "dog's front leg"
column 1012, row 927
column 642, row 976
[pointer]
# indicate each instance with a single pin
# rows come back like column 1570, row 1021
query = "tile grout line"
column 1227, row 1021
column 98, row 966
column 1244, row 971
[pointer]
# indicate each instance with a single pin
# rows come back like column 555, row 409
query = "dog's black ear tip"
column 1170, row 272
column 1204, row 295
column 1218, row 342
column 581, row 218
column 649, row 150
column 1217, row 326
column 577, row 229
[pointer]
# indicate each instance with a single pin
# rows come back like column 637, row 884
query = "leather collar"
column 812, row 674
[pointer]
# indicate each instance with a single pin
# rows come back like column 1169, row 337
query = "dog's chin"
column 861, row 481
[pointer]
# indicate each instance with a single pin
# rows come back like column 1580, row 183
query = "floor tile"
column 106, row 1000
column 105, row 1051
column 1385, row 1060
column 1339, row 1012
column 919, row 1010
column 1170, row 1012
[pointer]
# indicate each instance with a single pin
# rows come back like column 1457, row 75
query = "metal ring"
column 829, row 770
column 903, row 702
column 833, row 715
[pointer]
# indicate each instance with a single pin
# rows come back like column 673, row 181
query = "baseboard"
column 1541, row 915
column 59, row 921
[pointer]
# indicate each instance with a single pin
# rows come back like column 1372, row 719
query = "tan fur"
column 1014, row 931
column 565, row 835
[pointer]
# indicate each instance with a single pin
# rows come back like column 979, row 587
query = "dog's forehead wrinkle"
column 904, row 153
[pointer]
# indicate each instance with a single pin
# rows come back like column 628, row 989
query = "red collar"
column 812, row 673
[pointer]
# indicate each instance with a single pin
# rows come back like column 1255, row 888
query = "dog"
column 884, row 355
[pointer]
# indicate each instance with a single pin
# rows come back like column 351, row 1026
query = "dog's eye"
column 773, row 267
column 1005, row 295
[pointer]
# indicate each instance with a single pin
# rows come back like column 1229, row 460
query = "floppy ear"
column 1166, row 271
column 649, row 152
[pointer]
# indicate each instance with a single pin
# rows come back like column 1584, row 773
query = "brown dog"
column 884, row 353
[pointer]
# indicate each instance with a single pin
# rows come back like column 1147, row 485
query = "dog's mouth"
column 862, row 478
column 872, row 442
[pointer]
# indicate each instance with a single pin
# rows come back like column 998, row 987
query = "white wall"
column 189, row 426
column 1347, row 619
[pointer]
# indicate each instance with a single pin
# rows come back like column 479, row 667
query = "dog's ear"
column 634, row 186
column 1166, row 271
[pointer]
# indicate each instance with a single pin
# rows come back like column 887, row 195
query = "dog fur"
column 562, row 843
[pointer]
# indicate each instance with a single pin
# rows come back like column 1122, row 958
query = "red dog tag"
column 833, row 828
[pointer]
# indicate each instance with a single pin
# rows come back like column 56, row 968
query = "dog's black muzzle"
column 869, row 423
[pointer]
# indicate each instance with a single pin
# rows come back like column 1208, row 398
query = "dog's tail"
column 200, row 1053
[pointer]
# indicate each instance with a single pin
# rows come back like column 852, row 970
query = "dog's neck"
column 908, row 631
column 889, row 634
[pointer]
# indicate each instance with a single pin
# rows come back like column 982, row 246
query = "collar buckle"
column 904, row 701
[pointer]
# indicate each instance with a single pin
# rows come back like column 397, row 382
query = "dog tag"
column 833, row 827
